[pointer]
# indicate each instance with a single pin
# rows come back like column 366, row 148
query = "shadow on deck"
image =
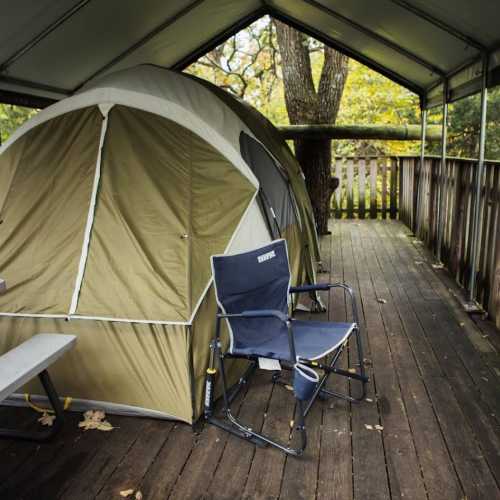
column 434, row 391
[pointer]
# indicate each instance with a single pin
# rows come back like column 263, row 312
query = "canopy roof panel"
column 50, row 49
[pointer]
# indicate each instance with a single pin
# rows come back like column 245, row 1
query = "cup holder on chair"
column 305, row 381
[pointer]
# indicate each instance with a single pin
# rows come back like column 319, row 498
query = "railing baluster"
column 338, row 192
column 393, row 207
column 361, row 184
column 350, row 184
column 384, row 188
column 373, row 188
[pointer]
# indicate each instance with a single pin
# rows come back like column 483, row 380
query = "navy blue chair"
column 253, row 290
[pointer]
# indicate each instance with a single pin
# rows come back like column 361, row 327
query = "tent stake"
column 479, row 177
column 441, row 173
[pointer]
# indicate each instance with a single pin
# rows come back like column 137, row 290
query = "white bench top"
column 27, row 360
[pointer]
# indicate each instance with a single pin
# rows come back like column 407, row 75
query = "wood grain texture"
column 427, row 362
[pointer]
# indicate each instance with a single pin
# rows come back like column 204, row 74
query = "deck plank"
column 467, row 456
column 439, row 476
column 335, row 460
column 370, row 474
column 265, row 475
column 130, row 471
column 234, row 465
column 401, row 457
column 427, row 361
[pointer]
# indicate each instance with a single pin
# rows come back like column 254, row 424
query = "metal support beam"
column 442, row 169
column 344, row 49
column 423, row 127
column 43, row 34
column 479, row 177
column 146, row 38
column 375, row 36
column 439, row 24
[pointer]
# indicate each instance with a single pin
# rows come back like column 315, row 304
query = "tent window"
column 276, row 198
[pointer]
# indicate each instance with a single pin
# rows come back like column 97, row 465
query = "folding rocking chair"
column 252, row 290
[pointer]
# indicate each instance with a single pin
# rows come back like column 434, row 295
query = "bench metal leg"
column 47, row 434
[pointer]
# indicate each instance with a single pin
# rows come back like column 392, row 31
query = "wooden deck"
column 434, row 389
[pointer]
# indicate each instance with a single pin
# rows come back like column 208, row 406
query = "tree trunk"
column 315, row 157
column 305, row 105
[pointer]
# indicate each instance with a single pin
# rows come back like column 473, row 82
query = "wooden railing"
column 368, row 187
column 458, row 181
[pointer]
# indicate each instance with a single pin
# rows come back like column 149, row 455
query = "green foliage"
column 464, row 125
column 12, row 117
column 249, row 66
column 370, row 98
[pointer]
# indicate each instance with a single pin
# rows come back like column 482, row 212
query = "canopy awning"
column 50, row 49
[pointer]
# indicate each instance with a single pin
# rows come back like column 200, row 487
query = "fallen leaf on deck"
column 126, row 493
column 138, row 495
column 94, row 419
column 351, row 370
column 47, row 419
column 369, row 400
column 382, row 301
column 419, row 262
column 288, row 387
column 462, row 323
column 369, row 427
column 379, row 427
column 438, row 266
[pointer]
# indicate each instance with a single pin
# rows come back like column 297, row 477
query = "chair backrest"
column 259, row 279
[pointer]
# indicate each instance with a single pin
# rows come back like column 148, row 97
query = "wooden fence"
column 368, row 187
column 457, row 195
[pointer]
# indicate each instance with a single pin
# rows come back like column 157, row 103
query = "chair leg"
column 45, row 435
column 330, row 368
column 231, row 424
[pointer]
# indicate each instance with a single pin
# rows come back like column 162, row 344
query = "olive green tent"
column 111, row 203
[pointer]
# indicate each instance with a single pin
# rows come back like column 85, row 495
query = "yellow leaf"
column 47, row 419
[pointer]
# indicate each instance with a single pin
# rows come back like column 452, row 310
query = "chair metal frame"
column 230, row 423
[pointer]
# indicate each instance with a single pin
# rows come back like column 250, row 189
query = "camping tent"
column 111, row 203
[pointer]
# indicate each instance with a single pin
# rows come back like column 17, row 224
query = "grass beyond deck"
column 435, row 390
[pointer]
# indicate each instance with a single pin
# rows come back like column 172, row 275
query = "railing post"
column 423, row 124
column 373, row 189
column 479, row 178
column 441, row 173
column 393, row 208
column 361, row 187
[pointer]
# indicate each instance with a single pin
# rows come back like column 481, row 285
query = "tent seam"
column 90, row 219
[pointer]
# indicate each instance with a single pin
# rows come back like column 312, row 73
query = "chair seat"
column 313, row 340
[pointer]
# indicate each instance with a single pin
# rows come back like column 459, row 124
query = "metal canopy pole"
column 441, row 173
column 423, row 127
column 479, row 177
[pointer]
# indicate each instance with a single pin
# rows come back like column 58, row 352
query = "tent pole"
column 441, row 173
column 423, row 126
column 479, row 177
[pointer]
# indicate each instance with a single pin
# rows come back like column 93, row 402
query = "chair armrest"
column 309, row 288
column 319, row 286
column 327, row 286
column 259, row 313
